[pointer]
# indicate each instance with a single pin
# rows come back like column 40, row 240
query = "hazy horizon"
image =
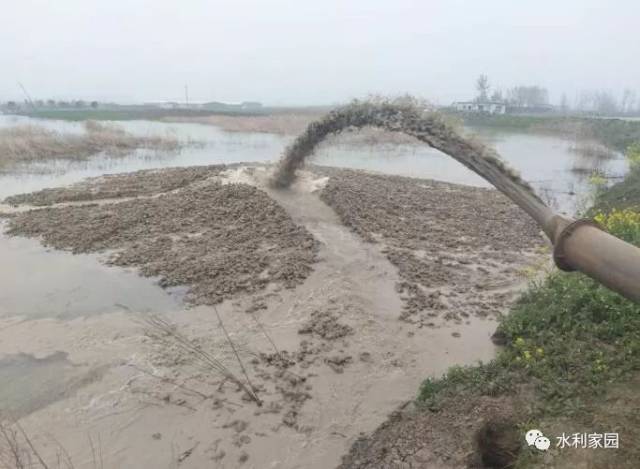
column 295, row 53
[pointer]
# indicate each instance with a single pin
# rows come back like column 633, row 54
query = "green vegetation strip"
column 617, row 134
column 568, row 339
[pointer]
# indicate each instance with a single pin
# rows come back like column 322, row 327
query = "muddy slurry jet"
column 579, row 245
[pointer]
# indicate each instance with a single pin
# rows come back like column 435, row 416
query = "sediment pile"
column 218, row 240
column 146, row 182
column 444, row 239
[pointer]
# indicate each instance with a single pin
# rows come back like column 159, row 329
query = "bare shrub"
column 163, row 332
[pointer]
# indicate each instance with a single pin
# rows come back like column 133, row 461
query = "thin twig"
column 233, row 347
column 33, row 449
column 273, row 344
column 164, row 379
column 93, row 451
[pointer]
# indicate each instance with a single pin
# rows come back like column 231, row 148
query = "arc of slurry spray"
column 578, row 245
column 429, row 128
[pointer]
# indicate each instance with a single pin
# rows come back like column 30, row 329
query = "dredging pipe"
column 579, row 245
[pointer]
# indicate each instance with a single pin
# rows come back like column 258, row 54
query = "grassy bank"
column 616, row 134
column 133, row 113
column 137, row 112
column 571, row 359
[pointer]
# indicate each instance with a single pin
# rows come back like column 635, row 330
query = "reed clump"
column 24, row 144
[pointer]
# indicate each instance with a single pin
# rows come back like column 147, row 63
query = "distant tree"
column 482, row 87
column 628, row 100
column 12, row 105
column 528, row 96
column 63, row 104
column 497, row 96
column 564, row 103
column 39, row 103
column 94, row 104
column 79, row 103
column 605, row 103
column 586, row 101
column 51, row 103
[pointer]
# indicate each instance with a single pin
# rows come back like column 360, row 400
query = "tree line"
column 534, row 96
column 50, row 104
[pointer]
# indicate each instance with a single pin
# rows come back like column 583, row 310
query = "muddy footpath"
column 306, row 316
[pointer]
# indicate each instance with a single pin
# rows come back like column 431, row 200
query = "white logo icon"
column 537, row 439
column 542, row 443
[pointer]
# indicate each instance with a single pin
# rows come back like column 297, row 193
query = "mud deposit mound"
column 219, row 240
column 414, row 438
column 113, row 186
column 457, row 248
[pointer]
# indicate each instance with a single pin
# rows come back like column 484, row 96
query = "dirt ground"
column 420, row 438
column 308, row 286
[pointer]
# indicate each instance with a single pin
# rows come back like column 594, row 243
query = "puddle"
column 30, row 383
column 37, row 282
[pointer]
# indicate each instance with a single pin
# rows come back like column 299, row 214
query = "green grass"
column 133, row 113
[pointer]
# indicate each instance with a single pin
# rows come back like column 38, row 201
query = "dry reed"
column 25, row 144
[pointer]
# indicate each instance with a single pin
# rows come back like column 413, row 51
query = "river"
column 559, row 174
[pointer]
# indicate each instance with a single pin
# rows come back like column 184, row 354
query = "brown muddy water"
column 348, row 359
column 72, row 346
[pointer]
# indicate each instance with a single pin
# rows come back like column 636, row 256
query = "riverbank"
column 616, row 134
column 328, row 347
column 569, row 365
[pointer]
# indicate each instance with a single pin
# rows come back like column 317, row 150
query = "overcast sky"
column 320, row 52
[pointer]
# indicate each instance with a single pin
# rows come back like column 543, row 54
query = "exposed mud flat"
column 457, row 249
column 114, row 186
column 219, row 240
column 329, row 359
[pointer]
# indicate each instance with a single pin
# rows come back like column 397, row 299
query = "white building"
column 490, row 107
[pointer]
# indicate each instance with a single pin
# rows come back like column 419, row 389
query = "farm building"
column 490, row 107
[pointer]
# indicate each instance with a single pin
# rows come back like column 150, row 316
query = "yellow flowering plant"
column 622, row 223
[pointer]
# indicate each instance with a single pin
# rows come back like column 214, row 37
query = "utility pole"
column 29, row 100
